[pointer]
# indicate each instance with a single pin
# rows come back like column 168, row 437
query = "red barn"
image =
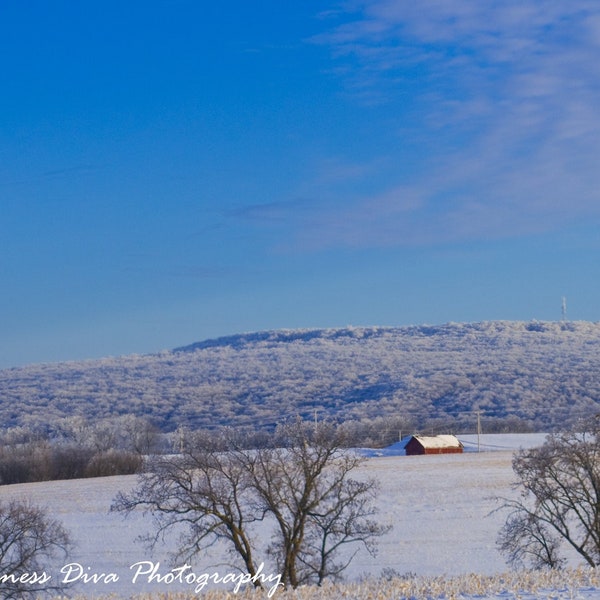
column 437, row 444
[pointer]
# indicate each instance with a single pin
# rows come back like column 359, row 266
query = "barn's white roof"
column 438, row 441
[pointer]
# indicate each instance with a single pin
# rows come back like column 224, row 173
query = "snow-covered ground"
column 441, row 509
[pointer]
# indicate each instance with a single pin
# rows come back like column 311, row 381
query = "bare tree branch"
column 559, row 502
column 29, row 540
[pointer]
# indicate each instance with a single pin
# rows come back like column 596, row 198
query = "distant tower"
column 564, row 308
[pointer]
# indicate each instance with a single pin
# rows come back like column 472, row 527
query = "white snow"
column 441, row 507
column 439, row 441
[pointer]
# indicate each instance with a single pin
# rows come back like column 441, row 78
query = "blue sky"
column 177, row 170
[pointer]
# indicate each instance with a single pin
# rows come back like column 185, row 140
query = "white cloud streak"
column 507, row 99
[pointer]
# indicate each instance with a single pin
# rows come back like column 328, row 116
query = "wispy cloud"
column 505, row 100
column 70, row 172
column 275, row 212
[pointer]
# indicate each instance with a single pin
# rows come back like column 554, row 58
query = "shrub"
column 113, row 462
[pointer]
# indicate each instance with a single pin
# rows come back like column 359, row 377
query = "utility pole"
column 478, row 430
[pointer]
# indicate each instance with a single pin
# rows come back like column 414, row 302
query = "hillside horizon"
column 533, row 374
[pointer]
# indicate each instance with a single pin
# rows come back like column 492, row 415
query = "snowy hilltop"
column 520, row 376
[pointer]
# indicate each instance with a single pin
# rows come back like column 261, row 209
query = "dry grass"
column 542, row 584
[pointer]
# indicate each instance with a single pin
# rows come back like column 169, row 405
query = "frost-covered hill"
column 519, row 374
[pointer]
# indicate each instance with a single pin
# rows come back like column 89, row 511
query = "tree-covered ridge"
column 535, row 374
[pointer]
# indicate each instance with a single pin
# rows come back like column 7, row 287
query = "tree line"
column 74, row 448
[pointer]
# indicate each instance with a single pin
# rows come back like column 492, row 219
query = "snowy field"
column 441, row 509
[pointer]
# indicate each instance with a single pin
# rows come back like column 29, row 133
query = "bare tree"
column 29, row 540
column 526, row 539
column 559, row 500
column 343, row 517
column 142, row 436
column 205, row 490
column 301, row 484
column 305, row 484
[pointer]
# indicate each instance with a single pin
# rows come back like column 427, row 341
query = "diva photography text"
column 149, row 572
